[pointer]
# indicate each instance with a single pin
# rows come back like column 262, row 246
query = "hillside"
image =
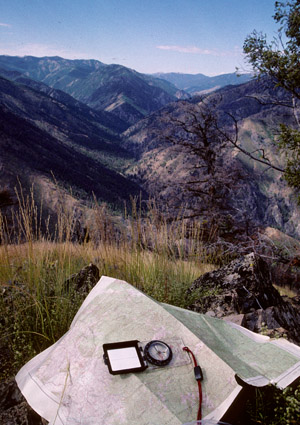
column 124, row 92
column 200, row 83
column 82, row 146
column 42, row 136
column 110, row 124
column 249, row 194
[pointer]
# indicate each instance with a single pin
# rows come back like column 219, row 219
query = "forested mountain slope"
column 245, row 192
column 46, row 136
column 83, row 149
column 122, row 91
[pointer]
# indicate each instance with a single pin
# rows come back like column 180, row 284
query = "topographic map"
column 69, row 383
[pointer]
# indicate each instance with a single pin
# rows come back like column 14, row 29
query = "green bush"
column 273, row 406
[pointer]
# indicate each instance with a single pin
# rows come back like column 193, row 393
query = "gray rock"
column 235, row 318
column 244, row 288
column 84, row 280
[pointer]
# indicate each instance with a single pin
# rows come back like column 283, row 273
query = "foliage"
column 288, row 406
column 272, row 406
column 280, row 60
column 289, row 143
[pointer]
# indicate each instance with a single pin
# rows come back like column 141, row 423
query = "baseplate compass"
column 138, row 356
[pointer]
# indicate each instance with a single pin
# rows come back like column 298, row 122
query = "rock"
column 84, row 280
column 235, row 318
column 210, row 313
column 14, row 409
column 242, row 285
column 285, row 250
column 243, row 291
column 264, row 321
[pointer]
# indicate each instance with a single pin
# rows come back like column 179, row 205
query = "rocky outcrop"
column 242, row 291
column 84, row 280
column 277, row 245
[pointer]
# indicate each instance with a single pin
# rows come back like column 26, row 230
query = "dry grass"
column 159, row 257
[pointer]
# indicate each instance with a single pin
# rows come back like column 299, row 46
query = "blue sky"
column 190, row 36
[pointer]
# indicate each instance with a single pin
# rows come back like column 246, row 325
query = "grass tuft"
column 159, row 257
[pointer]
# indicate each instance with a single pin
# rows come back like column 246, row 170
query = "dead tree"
column 195, row 130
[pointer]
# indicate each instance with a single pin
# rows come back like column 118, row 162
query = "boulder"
column 265, row 322
column 243, row 290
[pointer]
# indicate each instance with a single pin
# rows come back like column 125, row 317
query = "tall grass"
column 159, row 257
column 38, row 254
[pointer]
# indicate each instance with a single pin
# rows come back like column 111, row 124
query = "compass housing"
column 158, row 353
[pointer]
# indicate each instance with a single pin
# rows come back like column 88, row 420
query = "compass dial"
column 158, row 353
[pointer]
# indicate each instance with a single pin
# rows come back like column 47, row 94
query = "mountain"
column 200, row 83
column 46, row 133
column 248, row 194
column 123, row 92
column 109, row 122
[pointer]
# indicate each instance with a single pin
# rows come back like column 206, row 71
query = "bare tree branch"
column 234, row 142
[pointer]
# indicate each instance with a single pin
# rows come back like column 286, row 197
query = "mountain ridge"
column 40, row 136
column 140, row 158
column 253, row 193
column 122, row 91
column 195, row 83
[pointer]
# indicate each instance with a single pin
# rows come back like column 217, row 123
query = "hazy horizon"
column 180, row 36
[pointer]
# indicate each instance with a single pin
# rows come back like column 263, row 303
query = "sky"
column 186, row 36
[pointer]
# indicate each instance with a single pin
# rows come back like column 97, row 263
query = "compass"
column 158, row 353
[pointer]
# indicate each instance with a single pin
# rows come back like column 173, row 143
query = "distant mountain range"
column 121, row 91
column 200, row 83
column 101, row 129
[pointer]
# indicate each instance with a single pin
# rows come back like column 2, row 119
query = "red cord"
column 199, row 416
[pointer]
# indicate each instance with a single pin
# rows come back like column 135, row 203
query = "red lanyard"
column 199, row 378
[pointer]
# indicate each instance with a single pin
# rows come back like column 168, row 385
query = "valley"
column 108, row 132
column 200, row 84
